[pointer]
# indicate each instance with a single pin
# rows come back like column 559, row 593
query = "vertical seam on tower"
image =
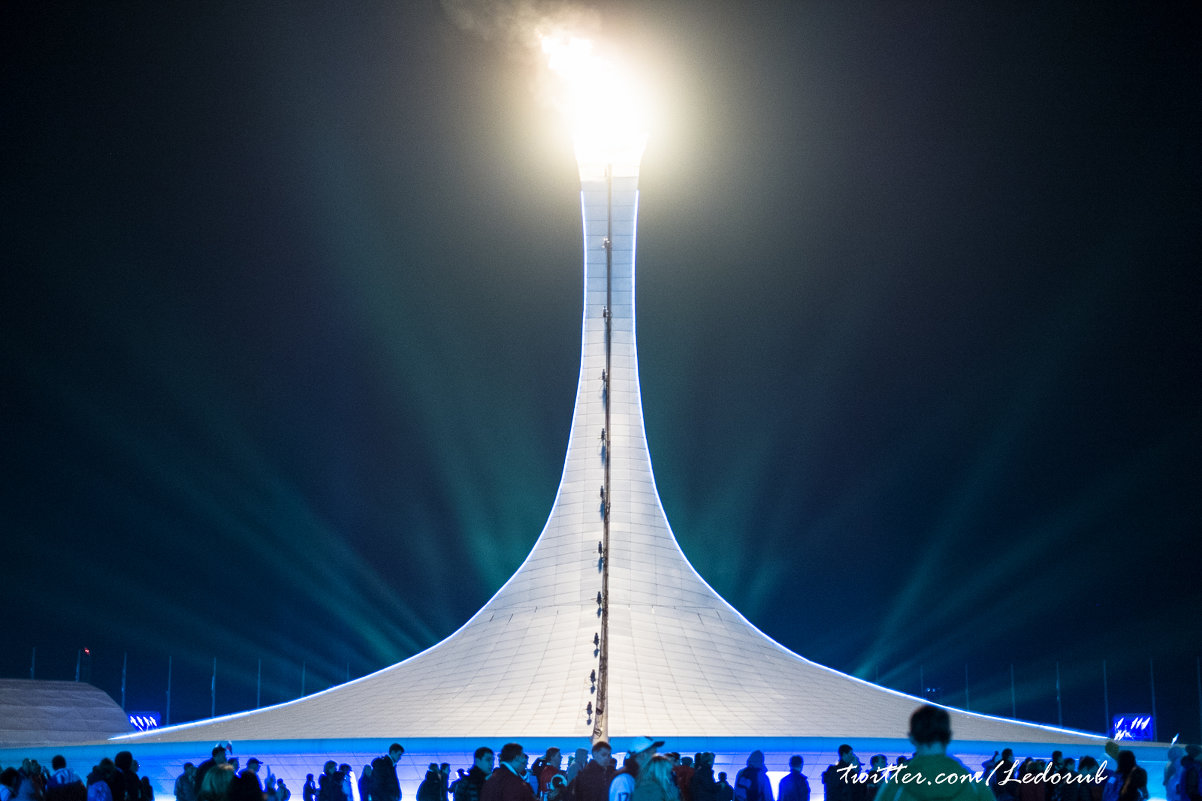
column 601, row 720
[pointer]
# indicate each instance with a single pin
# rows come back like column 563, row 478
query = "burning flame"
column 605, row 105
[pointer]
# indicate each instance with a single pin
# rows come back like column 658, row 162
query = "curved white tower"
column 605, row 629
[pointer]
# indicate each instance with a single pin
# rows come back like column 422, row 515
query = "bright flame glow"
column 606, row 107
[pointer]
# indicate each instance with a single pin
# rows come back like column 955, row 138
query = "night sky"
column 291, row 312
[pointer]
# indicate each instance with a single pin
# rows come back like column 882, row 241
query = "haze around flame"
column 605, row 105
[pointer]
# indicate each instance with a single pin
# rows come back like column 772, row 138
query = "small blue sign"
column 145, row 721
column 1131, row 727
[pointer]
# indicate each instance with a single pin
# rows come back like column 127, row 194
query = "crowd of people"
column 645, row 774
column 113, row 779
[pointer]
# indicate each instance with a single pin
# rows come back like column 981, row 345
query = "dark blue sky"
column 291, row 313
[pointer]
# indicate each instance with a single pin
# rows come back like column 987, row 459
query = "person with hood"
column 752, row 782
column 936, row 775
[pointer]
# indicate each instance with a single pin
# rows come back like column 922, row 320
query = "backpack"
column 1173, row 789
column 1110, row 790
column 749, row 780
column 99, row 791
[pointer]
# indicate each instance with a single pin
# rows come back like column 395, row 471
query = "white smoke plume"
column 519, row 23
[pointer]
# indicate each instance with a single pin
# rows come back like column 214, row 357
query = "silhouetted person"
column 185, row 783
column 1001, row 775
column 703, row 786
column 384, row 784
column 216, row 784
column 795, row 786
column 131, row 784
column 218, row 758
column 1130, row 781
column 329, row 783
column 365, row 783
column 752, row 783
column 878, row 774
column 839, row 779
column 930, row 732
column 1189, row 786
column 472, row 784
column 506, row 782
column 432, row 787
column 246, row 785
column 98, row 782
column 725, row 791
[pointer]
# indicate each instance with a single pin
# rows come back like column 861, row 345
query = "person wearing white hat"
column 638, row 755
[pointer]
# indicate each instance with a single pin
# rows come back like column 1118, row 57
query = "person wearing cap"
column 506, row 782
column 933, row 774
column 639, row 754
